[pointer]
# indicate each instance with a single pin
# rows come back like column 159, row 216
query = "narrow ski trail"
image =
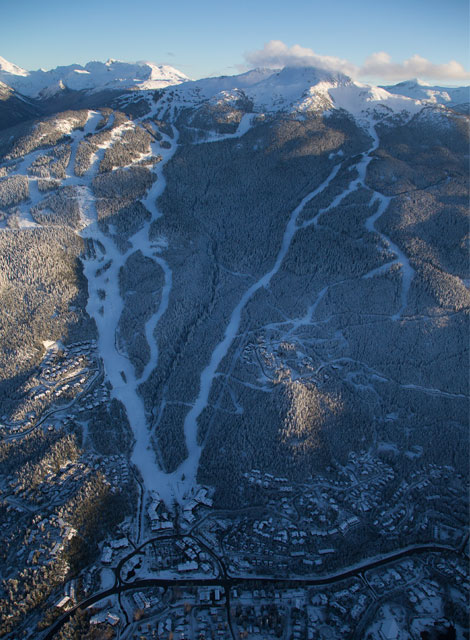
column 407, row 270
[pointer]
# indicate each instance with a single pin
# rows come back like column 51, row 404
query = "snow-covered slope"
column 361, row 99
column 94, row 76
column 291, row 89
column 419, row 90
column 295, row 86
column 13, row 69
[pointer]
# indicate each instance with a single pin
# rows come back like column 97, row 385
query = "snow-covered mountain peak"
column 309, row 75
column 295, row 89
column 413, row 82
column 162, row 76
column 94, row 76
column 9, row 67
column 253, row 76
column 267, row 89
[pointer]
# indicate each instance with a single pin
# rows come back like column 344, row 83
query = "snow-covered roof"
column 389, row 629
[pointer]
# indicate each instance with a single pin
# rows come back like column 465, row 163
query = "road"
column 227, row 582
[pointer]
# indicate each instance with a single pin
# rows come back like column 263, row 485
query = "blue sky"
column 213, row 37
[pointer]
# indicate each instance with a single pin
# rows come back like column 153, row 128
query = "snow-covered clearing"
column 406, row 269
column 245, row 125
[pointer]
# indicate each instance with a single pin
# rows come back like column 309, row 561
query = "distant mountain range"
column 94, row 76
column 297, row 88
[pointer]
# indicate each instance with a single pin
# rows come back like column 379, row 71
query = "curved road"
column 227, row 582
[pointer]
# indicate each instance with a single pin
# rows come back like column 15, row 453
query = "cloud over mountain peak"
column 276, row 53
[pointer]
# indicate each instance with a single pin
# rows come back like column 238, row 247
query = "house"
column 64, row 603
column 188, row 566
column 107, row 555
column 120, row 544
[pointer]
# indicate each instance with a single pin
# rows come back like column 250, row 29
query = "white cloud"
column 276, row 54
column 381, row 65
column 378, row 65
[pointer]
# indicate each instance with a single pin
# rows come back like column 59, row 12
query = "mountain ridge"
column 94, row 76
column 416, row 88
column 147, row 75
